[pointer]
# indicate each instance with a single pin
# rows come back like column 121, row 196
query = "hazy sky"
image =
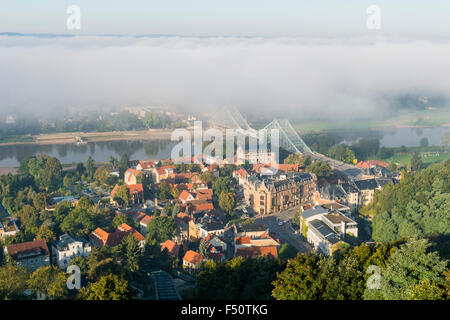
column 306, row 57
column 228, row 17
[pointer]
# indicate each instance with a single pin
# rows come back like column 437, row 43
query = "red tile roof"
column 242, row 240
column 193, row 257
column 184, row 195
column 255, row 252
column 171, row 247
column 145, row 220
column 37, row 247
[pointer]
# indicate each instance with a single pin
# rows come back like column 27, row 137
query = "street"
column 284, row 232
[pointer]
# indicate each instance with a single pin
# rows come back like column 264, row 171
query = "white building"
column 67, row 248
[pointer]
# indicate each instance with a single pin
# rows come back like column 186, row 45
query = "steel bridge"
column 231, row 118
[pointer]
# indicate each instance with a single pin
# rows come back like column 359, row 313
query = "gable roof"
column 255, row 252
column 36, row 247
column 171, row 247
column 193, row 257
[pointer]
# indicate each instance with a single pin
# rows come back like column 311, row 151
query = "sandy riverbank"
column 69, row 137
column 6, row 171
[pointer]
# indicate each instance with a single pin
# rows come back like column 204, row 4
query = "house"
column 335, row 220
column 143, row 224
column 366, row 190
column 100, row 238
column 136, row 194
column 161, row 173
column 211, row 227
column 216, row 242
column 256, row 252
column 171, row 247
column 186, row 196
column 131, row 176
column 67, row 248
column 272, row 193
column 322, row 237
column 192, row 260
column 146, row 165
column 31, row 254
column 341, row 224
column 263, row 241
column 251, row 230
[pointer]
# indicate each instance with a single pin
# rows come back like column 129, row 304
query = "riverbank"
column 69, row 137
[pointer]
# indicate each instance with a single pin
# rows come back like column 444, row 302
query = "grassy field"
column 423, row 118
column 428, row 157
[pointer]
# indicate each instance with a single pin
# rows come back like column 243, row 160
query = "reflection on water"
column 10, row 156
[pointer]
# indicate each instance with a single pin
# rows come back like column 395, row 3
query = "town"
column 193, row 213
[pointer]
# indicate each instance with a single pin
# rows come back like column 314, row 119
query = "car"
column 280, row 223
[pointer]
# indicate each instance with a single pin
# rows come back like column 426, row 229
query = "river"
column 10, row 156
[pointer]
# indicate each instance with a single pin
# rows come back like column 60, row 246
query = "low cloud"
column 298, row 77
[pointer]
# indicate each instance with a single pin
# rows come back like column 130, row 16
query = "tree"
column 123, row 164
column 446, row 139
column 109, row 287
column 298, row 280
column 164, row 191
column 122, row 195
column 407, row 267
column 287, row 252
column 49, row 281
column 236, row 279
column 160, row 228
column 121, row 219
column 227, row 201
column 13, row 281
column 424, row 142
column 222, row 184
column 102, row 175
column 90, row 169
column 132, row 254
column 416, row 162
column 426, row 290
column 208, row 178
column 320, row 168
column 45, row 233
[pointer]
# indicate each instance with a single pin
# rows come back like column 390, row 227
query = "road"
column 353, row 172
column 284, row 232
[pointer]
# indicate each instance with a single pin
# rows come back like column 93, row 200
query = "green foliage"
column 164, row 191
column 109, row 287
column 426, row 290
column 131, row 254
column 46, row 171
column 342, row 153
column 418, row 205
column 407, row 267
column 227, row 201
column 416, row 162
column 287, row 252
column 13, row 281
column 160, row 228
column 122, row 195
column 208, row 178
column 49, row 281
column 342, row 277
column 222, row 184
column 320, row 168
column 236, row 279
